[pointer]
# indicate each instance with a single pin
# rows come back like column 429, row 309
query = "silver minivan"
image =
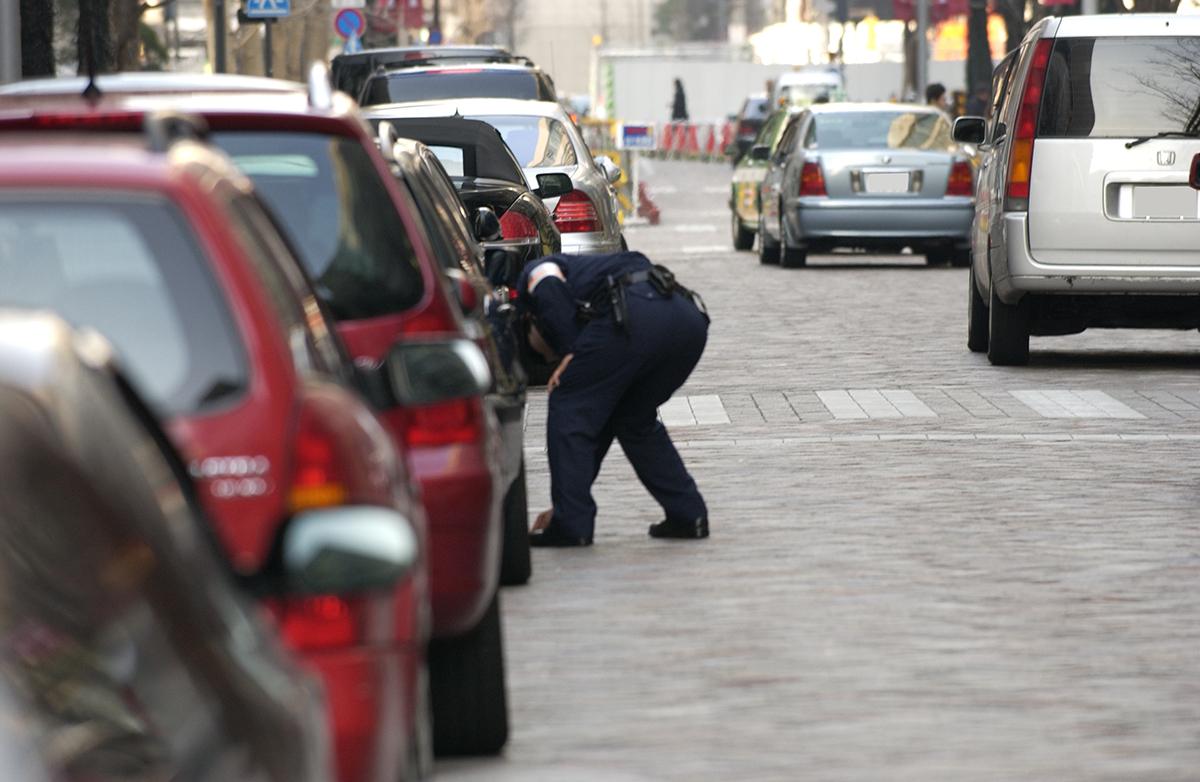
column 1088, row 195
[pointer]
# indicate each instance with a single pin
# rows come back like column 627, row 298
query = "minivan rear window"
column 338, row 214
column 130, row 268
column 452, row 83
column 1121, row 87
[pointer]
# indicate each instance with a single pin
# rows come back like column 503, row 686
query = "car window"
column 1121, row 87
column 787, row 141
column 768, row 135
column 536, row 142
column 453, row 83
column 882, row 130
column 338, row 215
column 130, row 267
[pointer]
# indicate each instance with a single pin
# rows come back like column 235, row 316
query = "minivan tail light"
column 458, row 421
column 961, row 181
column 575, row 213
column 317, row 480
column 1020, row 166
column 514, row 225
column 319, row 622
column 812, row 180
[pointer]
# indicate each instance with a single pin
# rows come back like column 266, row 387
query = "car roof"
column 386, row 56
column 468, row 107
column 1123, row 25
column 462, row 67
column 150, row 81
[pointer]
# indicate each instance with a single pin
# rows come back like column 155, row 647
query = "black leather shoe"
column 553, row 537
column 693, row 529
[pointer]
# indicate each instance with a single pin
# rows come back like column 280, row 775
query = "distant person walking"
column 679, row 104
column 935, row 95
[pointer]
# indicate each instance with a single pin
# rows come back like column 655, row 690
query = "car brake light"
column 961, row 181
column 812, row 181
column 1020, row 165
column 114, row 121
column 456, row 70
column 444, row 423
column 316, row 476
column 314, row 623
column 575, row 213
column 514, row 225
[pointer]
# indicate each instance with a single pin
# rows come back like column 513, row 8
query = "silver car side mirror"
column 612, row 172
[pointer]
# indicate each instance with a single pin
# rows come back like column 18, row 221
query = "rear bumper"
column 1016, row 272
column 846, row 222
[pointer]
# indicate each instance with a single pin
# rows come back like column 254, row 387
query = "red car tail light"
column 319, row 622
column 514, row 225
column 961, row 181
column 575, row 213
column 446, row 423
column 317, row 481
column 812, row 180
column 1021, row 163
column 112, row 121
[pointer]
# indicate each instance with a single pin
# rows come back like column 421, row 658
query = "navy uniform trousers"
column 613, row 388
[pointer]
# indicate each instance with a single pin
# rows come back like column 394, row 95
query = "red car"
column 359, row 237
column 161, row 245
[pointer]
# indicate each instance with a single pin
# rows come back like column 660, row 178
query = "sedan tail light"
column 514, row 225
column 961, row 181
column 575, row 213
column 812, row 180
column 1021, row 163
column 317, row 480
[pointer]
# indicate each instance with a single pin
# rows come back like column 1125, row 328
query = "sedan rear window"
column 881, row 130
column 338, row 215
column 536, row 142
column 443, row 85
column 132, row 270
column 1121, row 87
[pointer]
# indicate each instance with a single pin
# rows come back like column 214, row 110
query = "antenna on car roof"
column 88, row 45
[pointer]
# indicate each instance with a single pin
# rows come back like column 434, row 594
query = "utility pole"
column 922, row 70
column 10, row 41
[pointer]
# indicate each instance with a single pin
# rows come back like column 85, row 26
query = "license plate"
column 886, row 182
column 1176, row 202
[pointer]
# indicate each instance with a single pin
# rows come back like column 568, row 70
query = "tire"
column 960, row 259
column 1008, row 332
column 467, row 691
column 743, row 238
column 977, row 318
column 515, row 564
column 767, row 252
column 937, row 257
column 792, row 257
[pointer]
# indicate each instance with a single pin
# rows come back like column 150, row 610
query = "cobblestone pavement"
column 921, row 567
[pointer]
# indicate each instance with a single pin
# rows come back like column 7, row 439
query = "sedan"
column 866, row 176
column 544, row 140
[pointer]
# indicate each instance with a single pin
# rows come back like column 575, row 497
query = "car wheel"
column 515, row 565
column 1008, row 332
column 743, row 238
column 937, row 257
column 470, row 706
column 977, row 318
column 960, row 258
column 768, row 251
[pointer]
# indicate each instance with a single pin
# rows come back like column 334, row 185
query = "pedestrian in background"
column 935, row 95
column 626, row 336
column 679, row 111
column 981, row 97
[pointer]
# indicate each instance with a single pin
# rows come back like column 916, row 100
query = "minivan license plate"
column 886, row 182
column 1170, row 202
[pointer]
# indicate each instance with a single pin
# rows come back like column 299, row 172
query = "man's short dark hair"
column 934, row 92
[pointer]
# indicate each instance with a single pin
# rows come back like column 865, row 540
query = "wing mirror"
column 970, row 130
column 344, row 550
column 386, row 138
column 486, row 225
column 760, row 152
column 612, row 172
column 470, row 301
column 553, row 185
column 428, row 372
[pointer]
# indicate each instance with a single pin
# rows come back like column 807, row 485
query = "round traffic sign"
column 349, row 22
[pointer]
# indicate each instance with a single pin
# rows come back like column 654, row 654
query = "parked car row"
column 261, row 358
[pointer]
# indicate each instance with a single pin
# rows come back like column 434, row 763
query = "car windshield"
column 131, row 268
column 536, row 142
column 454, row 83
column 880, row 130
column 338, row 214
column 803, row 94
column 1121, row 87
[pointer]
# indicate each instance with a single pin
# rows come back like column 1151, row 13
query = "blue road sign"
column 268, row 9
column 636, row 137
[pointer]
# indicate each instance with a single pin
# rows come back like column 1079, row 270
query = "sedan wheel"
column 743, row 238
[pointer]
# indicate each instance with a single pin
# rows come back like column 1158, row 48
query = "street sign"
column 349, row 23
column 635, row 137
column 336, row 4
column 268, row 9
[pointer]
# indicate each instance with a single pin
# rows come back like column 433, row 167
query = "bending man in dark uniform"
column 627, row 337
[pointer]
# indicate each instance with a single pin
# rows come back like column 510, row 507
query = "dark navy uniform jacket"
column 554, row 287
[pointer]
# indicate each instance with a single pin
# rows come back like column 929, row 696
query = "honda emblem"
column 1166, row 158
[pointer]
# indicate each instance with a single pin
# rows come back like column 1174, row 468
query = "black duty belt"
column 610, row 297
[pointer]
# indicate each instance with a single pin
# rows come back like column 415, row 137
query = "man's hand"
column 556, row 378
column 543, row 520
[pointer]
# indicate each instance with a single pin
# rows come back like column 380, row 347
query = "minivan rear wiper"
column 1163, row 134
